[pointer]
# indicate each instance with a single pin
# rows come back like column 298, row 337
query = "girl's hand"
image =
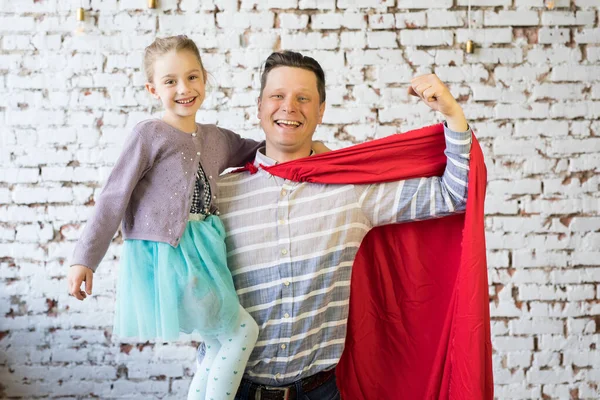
column 319, row 147
column 78, row 274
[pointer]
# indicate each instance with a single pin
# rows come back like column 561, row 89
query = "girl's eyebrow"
column 189, row 72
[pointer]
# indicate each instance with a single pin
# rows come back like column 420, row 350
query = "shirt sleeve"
column 240, row 150
column 133, row 162
column 422, row 198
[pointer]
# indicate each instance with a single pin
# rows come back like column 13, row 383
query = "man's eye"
column 277, row 96
column 193, row 77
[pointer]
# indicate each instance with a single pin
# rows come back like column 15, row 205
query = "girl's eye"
column 169, row 82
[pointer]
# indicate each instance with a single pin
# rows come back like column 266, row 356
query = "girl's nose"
column 183, row 88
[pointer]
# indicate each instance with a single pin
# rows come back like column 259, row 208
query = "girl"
column 173, row 276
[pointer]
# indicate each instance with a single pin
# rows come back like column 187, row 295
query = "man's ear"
column 152, row 90
column 321, row 112
column 258, row 104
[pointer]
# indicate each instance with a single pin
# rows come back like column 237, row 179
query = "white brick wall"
column 532, row 91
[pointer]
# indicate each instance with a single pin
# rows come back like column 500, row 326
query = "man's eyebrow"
column 301, row 90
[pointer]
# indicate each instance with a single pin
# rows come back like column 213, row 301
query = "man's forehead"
column 298, row 78
column 293, row 71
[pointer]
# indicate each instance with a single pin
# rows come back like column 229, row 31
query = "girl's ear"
column 152, row 90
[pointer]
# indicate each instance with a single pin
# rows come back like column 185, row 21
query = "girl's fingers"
column 88, row 282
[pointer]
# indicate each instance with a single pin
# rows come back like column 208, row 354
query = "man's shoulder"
column 232, row 175
column 232, row 181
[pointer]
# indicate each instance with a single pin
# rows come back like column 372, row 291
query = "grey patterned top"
column 291, row 247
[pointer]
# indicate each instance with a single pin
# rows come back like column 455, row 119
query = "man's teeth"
column 185, row 101
column 286, row 122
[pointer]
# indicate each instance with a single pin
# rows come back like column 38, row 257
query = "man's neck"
column 282, row 156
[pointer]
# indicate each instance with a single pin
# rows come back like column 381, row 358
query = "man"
column 291, row 245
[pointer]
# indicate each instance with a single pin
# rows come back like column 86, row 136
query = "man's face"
column 290, row 109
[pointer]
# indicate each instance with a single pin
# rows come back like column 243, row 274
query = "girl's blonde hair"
column 162, row 46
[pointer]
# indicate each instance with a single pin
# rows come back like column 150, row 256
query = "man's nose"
column 289, row 105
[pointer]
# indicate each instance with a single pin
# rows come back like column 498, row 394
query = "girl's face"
column 179, row 84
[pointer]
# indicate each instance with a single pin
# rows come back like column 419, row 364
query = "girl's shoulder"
column 208, row 128
column 216, row 132
column 151, row 126
column 157, row 131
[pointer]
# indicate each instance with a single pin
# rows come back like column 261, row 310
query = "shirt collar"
column 262, row 159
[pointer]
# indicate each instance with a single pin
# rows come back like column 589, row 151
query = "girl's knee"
column 249, row 325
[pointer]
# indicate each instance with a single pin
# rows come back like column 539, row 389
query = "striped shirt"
column 291, row 247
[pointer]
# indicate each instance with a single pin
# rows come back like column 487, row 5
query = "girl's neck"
column 185, row 124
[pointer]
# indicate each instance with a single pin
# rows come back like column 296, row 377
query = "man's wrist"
column 457, row 123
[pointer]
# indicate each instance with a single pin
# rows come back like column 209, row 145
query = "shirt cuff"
column 458, row 142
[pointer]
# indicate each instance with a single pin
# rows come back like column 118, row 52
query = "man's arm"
column 424, row 198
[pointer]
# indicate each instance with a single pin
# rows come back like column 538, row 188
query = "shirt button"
column 281, row 221
column 283, row 251
column 218, row 213
column 283, row 193
column 283, row 346
column 286, row 283
column 278, row 375
column 214, row 197
column 193, row 135
column 286, row 315
column 198, row 153
column 210, row 177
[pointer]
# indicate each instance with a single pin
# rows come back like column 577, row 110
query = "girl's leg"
column 227, row 369
column 197, row 390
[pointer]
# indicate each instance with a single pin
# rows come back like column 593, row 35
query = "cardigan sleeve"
column 240, row 150
column 134, row 161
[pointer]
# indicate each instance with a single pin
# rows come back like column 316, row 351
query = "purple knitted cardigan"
column 151, row 185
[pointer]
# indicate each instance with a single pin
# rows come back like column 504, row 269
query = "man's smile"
column 287, row 124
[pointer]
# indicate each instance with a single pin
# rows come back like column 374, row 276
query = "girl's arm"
column 242, row 151
column 132, row 164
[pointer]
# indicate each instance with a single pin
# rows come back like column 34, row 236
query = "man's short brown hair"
column 296, row 60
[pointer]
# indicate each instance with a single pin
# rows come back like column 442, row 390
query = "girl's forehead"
column 182, row 59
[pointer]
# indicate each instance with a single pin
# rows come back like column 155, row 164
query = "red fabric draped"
column 419, row 325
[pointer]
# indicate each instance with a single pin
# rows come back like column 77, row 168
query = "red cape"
column 419, row 324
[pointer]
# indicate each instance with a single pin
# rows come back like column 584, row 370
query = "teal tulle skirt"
column 164, row 290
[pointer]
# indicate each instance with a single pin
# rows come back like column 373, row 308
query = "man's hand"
column 319, row 147
column 78, row 274
column 437, row 96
